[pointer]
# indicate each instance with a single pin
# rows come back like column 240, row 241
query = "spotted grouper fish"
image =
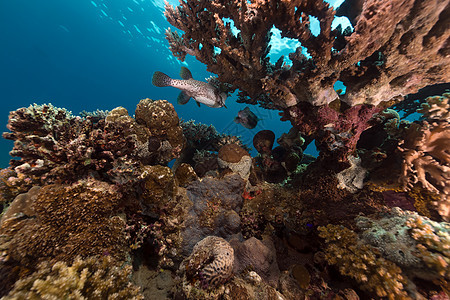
column 202, row 92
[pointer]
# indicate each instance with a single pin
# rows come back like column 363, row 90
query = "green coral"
column 363, row 263
column 91, row 278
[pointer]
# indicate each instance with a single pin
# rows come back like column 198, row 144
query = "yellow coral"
column 363, row 263
column 91, row 278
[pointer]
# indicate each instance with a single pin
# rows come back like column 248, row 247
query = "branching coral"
column 363, row 263
column 409, row 52
column 425, row 152
column 90, row 278
column 376, row 64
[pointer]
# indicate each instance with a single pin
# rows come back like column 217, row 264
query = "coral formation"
column 90, row 278
column 417, row 244
column 352, row 179
column 210, row 263
column 236, row 159
column 55, row 146
column 375, row 65
column 391, row 251
column 362, row 263
column 425, row 152
column 73, row 220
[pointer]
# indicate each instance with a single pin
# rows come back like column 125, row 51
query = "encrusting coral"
column 90, row 278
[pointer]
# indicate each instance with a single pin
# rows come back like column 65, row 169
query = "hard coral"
column 72, row 220
column 55, row 146
column 375, row 65
column 90, row 278
column 236, row 159
column 210, row 263
column 417, row 244
column 363, row 263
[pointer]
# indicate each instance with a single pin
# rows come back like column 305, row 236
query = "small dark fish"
column 247, row 118
column 202, row 92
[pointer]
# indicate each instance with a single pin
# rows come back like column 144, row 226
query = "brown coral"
column 90, row 278
column 408, row 53
column 211, row 262
column 70, row 220
column 425, row 153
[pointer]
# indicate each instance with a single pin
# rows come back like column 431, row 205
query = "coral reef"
column 425, row 152
column 90, row 278
column 375, row 65
column 73, row 220
column 362, row 263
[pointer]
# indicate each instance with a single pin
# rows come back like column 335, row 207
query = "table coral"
column 375, row 65
column 90, row 278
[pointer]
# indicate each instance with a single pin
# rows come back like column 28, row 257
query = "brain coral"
column 211, row 262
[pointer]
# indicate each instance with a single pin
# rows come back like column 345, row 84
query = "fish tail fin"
column 160, row 79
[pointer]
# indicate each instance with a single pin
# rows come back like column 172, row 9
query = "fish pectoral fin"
column 185, row 73
column 198, row 103
column 183, row 98
column 237, row 120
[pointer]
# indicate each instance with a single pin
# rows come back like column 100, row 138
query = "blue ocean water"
column 88, row 55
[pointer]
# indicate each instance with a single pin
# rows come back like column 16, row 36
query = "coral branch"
column 376, row 63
